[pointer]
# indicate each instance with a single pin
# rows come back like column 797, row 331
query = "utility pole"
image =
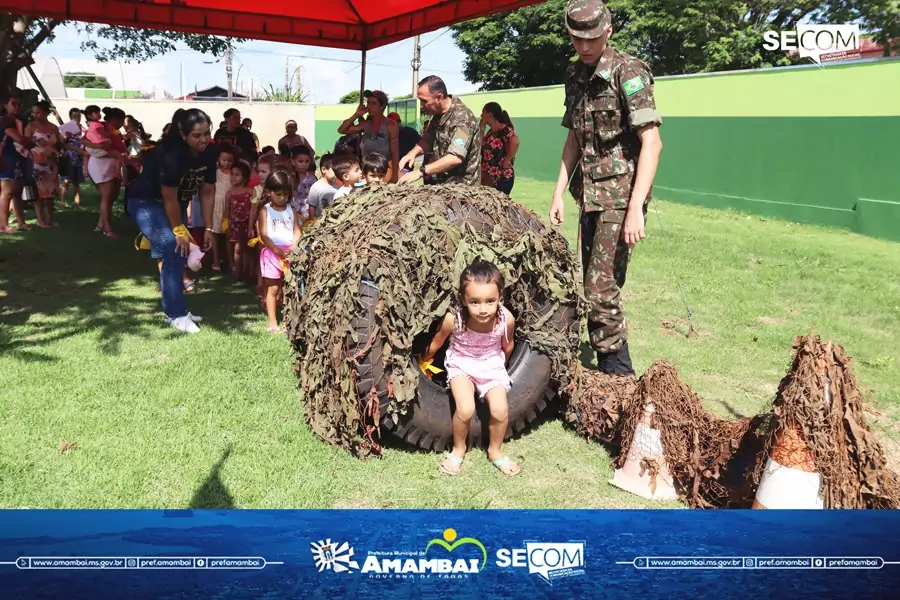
column 416, row 64
column 287, row 75
column 228, row 70
column 297, row 80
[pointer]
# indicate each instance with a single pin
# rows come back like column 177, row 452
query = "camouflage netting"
column 597, row 408
column 819, row 399
column 413, row 242
column 718, row 463
column 697, row 446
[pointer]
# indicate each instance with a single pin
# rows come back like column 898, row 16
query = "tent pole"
column 362, row 77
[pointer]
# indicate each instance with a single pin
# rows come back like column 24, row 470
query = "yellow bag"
column 141, row 242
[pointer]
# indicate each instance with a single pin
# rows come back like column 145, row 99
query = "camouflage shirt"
column 455, row 132
column 605, row 105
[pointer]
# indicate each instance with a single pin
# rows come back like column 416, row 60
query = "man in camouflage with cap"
column 610, row 157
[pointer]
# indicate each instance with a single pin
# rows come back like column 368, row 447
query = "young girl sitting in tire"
column 481, row 341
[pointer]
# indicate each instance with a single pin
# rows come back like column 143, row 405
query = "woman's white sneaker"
column 185, row 324
column 193, row 318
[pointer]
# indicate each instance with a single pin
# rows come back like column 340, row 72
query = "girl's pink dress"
column 479, row 356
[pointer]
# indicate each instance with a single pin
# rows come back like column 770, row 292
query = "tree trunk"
column 8, row 73
column 16, row 47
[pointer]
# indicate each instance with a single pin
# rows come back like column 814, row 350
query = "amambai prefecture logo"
column 426, row 564
column 450, row 543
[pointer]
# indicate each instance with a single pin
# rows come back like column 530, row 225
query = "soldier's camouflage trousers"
column 604, row 258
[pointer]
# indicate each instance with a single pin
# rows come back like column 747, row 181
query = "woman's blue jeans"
column 150, row 216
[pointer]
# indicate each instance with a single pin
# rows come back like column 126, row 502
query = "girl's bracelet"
column 181, row 230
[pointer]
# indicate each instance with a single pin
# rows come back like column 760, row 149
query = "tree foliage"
column 530, row 46
column 350, row 97
column 86, row 80
column 22, row 35
column 523, row 48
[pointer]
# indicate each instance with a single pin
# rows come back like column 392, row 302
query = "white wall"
column 268, row 117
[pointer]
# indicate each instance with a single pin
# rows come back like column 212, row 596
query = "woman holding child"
column 379, row 134
column 106, row 151
column 182, row 165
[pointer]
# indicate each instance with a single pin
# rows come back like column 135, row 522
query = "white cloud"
column 326, row 81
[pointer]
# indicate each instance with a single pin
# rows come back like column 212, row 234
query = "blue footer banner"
column 449, row 554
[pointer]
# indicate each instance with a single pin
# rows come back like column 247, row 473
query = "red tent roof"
column 350, row 24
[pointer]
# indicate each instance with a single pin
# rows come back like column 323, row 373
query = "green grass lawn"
column 163, row 419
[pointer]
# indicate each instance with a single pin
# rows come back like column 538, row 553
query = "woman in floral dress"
column 47, row 146
column 499, row 145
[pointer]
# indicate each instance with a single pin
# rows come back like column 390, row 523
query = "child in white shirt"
column 347, row 173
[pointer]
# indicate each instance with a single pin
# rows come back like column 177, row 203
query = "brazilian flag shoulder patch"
column 635, row 84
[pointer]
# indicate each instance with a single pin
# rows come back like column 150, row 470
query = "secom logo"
column 550, row 561
column 817, row 42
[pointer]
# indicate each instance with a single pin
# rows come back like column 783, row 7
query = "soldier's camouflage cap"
column 587, row 19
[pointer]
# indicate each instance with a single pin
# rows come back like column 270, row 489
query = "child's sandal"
column 454, row 460
column 504, row 463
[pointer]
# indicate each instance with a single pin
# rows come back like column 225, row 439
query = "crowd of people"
column 223, row 195
column 194, row 194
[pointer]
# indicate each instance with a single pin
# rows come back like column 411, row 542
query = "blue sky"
column 325, row 74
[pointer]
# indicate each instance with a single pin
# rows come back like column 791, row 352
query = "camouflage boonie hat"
column 587, row 19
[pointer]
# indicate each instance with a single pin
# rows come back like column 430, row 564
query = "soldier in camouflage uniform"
column 613, row 125
column 451, row 137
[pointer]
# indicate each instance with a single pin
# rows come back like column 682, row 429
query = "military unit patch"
column 633, row 85
column 458, row 141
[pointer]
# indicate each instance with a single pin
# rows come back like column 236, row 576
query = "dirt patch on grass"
column 769, row 320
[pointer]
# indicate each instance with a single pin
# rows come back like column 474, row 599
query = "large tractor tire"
column 427, row 423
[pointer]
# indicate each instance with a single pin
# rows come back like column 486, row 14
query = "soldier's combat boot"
column 606, row 363
column 623, row 361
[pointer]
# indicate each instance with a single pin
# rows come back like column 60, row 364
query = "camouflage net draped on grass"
column 598, row 405
column 697, row 446
column 819, row 399
column 413, row 242
column 718, row 463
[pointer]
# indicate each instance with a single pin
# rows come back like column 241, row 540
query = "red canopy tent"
column 350, row 24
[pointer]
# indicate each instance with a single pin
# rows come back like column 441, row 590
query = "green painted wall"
column 815, row 145
column 806, row 169
column 98, row 94
column 328, row 118
column 326, row 135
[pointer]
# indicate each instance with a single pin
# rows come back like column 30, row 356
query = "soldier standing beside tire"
column 613, row 147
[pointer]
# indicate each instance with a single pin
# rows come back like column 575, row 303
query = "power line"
column 356, row 63
column 431, row 41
